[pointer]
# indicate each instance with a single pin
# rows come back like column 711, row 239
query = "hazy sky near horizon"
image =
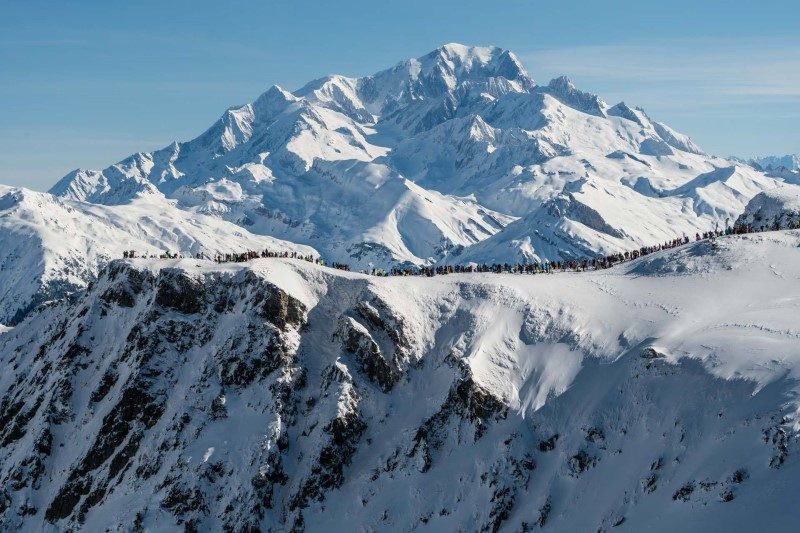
column 84, row 84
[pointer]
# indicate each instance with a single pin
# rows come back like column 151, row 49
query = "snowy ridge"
column 156, row 395
column 280, row 394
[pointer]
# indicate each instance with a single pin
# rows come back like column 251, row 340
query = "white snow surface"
column 660, row 395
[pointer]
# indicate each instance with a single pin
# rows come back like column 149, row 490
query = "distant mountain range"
column 774, row 162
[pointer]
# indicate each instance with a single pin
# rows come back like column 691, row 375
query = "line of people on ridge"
column 236, row 257
column 571, row 265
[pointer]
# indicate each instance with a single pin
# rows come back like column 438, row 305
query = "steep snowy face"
column 280, row 394
column 459, row 142
column 52, row 247
column 118, row 184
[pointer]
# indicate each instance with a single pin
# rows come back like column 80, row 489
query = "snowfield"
column 659, row 395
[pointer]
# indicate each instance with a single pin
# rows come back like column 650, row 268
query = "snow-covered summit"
column 442, row 71
column 563, row 89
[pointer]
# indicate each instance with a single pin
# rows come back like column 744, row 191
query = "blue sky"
column 84, row 84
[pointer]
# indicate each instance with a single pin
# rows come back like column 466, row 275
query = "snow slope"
column 436, row 155
column 661, row 395
column 50, row 247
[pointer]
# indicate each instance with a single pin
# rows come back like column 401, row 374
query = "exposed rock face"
column 284, row 396
column 147, row 363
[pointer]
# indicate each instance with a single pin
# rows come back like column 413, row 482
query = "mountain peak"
column 482, row 144
column 437, row 73
column 273, row 99
column 623, row 110
column 466, row 53
column 562, row 83
column 276, row 92
column 565, row 91
column 490, row 61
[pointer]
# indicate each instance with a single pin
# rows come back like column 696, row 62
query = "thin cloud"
column 715, row 67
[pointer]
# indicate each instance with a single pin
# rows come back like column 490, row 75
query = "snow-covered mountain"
column 770, row 162
column 456, row 151
column 661, row 395
column 51, row 247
